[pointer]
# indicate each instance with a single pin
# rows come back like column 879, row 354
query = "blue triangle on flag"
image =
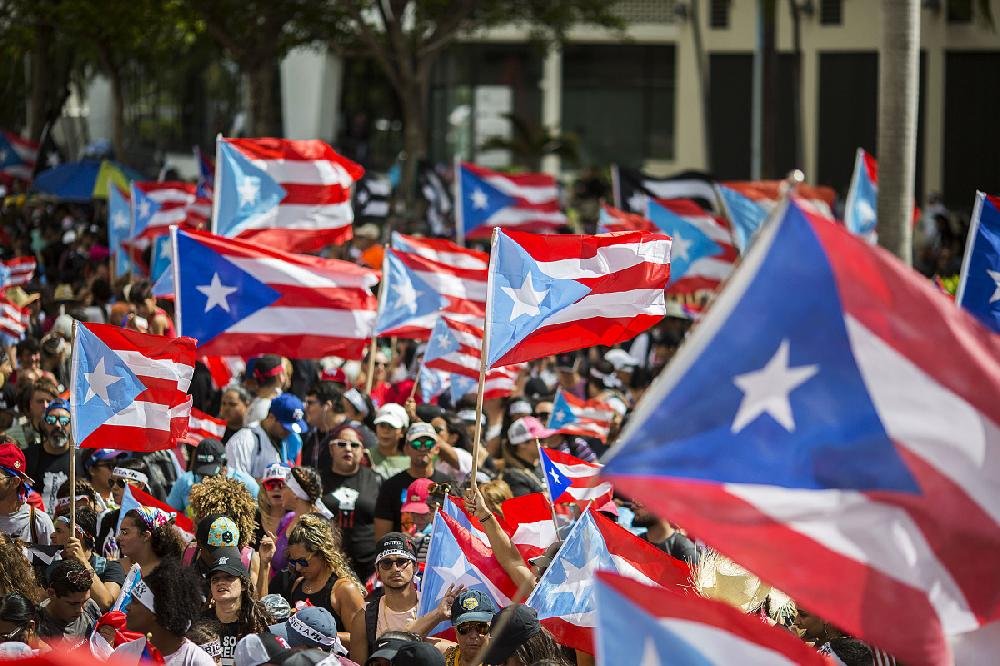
column 861, row 207
column 160, row 257
column 441, row 343
column 562, row 413
column 558, row 482
column 480, row 200
column 979, row 289
column 746, row 215
column 461, row 386
column 103, row 384
column 9, row 156
column 523, row 296
column 243, row 192
column 143, row 208
column 689, row 242
column 214, row 292
column 774, row 379
column 406, row 295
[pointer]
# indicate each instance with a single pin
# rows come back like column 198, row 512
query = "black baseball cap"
column 520, row 623
column 209, row 457
column 387, row 645
column 418, row 654
column 395, row 544
column 227, row 560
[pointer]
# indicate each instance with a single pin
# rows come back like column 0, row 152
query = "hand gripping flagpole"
column 483, row 363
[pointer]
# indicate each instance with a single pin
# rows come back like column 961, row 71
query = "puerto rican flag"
column 128, row 390
column 18, row 271
column 573, row 481
column 585, row 418
column 156, row 206
column 979, row 285
column 825, row 424
column 14, row 321
column 487, row 199
column 527, row 520
column 119, row 228
column 500, row 383
column 202, row 425
column 564, row 596
column 285, row 194
column 651, row 625
column 424, row 278
column 632, row 189
column 557, row 293
column 17, row 156
column 239, row 299
column 612, row 219
column 861, row 208
column 455, row 347
column 206, row 174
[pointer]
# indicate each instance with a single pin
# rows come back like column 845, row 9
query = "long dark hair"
column 254, row 616
column 20, row 610
column 165, row 541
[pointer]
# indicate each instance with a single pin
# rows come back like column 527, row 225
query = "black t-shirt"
column 392, row 496
column 49, row 472
column 351, row 499
column 112, row 572
column 229, row 636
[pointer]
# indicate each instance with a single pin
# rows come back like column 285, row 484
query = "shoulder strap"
column 32, row 527
column 371, row 618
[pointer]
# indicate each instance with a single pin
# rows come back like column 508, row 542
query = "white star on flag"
column 98, row 382
column 865, row 211
column 995, row 276
column 457, row 573
column 767, row 390
column 577, row 579
column 555, row 475
column 638, row 202
column 119, row 220
column 248, row 189
column 679, row 247
column 650, row 657
column 216, row 293
column 144, row 208
column 479, row 199
column 526, row 299
column 406, row 295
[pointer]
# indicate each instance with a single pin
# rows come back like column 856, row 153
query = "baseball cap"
column 619, row 359
column 395, row 544
column 262, row 648
column 416, row 496
column 418, row 430
column 392, row 415
column 209, row 457
column 217, row 531
column 336, row 375
column 288, row 409
column 387, row 645
column 277, row 606
column 472, row 606
column 521, row 624
column 311, row 627
column 527, row 429
column 58, row 403
column 418, row 654
column 101, row 456
column 519, row 408
column 12, row 460
column 275, row 471
column 227, row 560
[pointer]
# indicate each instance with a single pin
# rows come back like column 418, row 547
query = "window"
column 831, row 12
column 959, row 11
column 619, row 102
column 718, row 14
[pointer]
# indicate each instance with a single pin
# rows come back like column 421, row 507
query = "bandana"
column 131, row 475
column 65, row 521
column 331, row 643
column 213, row 648
column 63, row 502
column 292, row 484
column 357, row 401
column 153, row 517
column 144, row 596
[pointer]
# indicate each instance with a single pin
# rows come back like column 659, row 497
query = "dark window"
column 830, row 12
column 959, row 11
column 731, row 114
column 971, row 133
column 619, row 101
column 718, row 15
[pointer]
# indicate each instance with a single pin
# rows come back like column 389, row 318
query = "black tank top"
column 320, row 598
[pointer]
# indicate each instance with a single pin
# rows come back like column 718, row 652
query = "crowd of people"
column 310, row 517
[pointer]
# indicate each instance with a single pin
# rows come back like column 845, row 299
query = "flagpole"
column 457, row 184
column 370, row 375
column 483, row 364
column 72, row 434
column 548, row 489
column 214, row 222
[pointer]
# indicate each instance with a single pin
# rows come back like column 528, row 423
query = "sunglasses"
column 120, row 483
column 543, row 416
column 299, row 562
column 426, row 443
column 273, row 484
column 394, row 563
column 480, row 628
column 52, row 419
column 346, row 443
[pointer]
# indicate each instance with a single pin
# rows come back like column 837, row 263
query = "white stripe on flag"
column 301, row 216
column 279, row 272
column 305, row 172
column 141, row 414
column 512, row 216
column 342, row 324
column 609, row 259
column 616, row 305
column 143, row 366
column 535, row 194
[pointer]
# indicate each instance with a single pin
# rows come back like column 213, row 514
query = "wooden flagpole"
column 483, row 365
column 370, row 375
column 72, row 435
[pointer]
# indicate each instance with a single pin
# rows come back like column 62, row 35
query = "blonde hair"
column 226, row 497
column 495, row 493
column 315, row 534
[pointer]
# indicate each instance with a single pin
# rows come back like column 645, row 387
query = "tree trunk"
column 769, row 119
column 41, row 81
column 113, row 72
column 897, row 124
column 265, row 115
column 413, row 101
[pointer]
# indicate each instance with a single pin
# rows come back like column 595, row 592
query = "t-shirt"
column 49, row 471
column 678, row 546
column 351, row 499
column 392, row 496
column 387, row 466
column 229, row 636
column 189, row 654
column 112, row 571
column 74, row 632
column 17, row 525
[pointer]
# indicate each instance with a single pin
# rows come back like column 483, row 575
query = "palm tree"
column 529, row 143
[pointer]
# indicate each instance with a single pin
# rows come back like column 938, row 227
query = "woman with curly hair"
column 232, row 602
column 147, row 537
column 164, row 603
column 325, row 578
column 301, row 494
column 16, row 575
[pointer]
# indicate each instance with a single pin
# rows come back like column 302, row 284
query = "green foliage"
column 529, row 143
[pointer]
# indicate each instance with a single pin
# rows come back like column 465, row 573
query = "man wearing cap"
column 421, row 447
column 256, row 446
column 312, row 628
column 49, row 463
column 18, row 519
column 209, row 460
column 389, row 457
column 471, row 612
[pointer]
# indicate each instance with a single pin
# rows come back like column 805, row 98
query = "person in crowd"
column 19, row 519
column 258, row 445
column 163, row 606
column 324, row 577
column 140, row 295
column 232, row 602
column 388, row 457
column 522, row 467
column 393, row 606
column 351, row 491
column 34, row 396
column 313, row 629
column 270, row 508
column 99, row 466
column 568, row 374
column 108, row 574
column 16, row 574
column 380, row 381
column 517, row 638
column 233, row 404
column 358, row 408
column 147, row 538
column 209, row 460
column 129, row 473
column 471, row 613
column 495, row 493
column 19, row 622
column 301, row 495
column 417, row 516
column 205, row 634
column 29, row 363
column 267, row 372
column 69, row 614
column 49, row 463
column 323, row 414
column 422, row 446
column 262, row 648
column 571, row 444
column 663, row 535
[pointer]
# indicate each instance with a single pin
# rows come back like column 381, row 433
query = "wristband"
column 483, row 520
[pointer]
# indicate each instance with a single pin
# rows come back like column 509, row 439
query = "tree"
column 406, row 37
column 529, row 143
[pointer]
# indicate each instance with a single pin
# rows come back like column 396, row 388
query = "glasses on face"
column 299, row 562
column 543, row 416
column 440, row 429
column 346, row 444
column 389, row 564
column 467, row 628
column 273, row 484
column 425, row 443
column 52, row 419
column 120, row 483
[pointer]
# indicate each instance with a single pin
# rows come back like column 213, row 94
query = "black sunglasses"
column 480, row 628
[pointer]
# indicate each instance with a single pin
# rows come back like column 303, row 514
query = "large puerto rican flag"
column 834, row 408
column 487, row 199
column 291, row 195
column 239, row 299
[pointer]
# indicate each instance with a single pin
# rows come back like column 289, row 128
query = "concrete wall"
column 311, row 81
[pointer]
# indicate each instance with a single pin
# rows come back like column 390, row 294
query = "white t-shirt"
column 188, row 654
column 17, row 525
column 250, row 450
